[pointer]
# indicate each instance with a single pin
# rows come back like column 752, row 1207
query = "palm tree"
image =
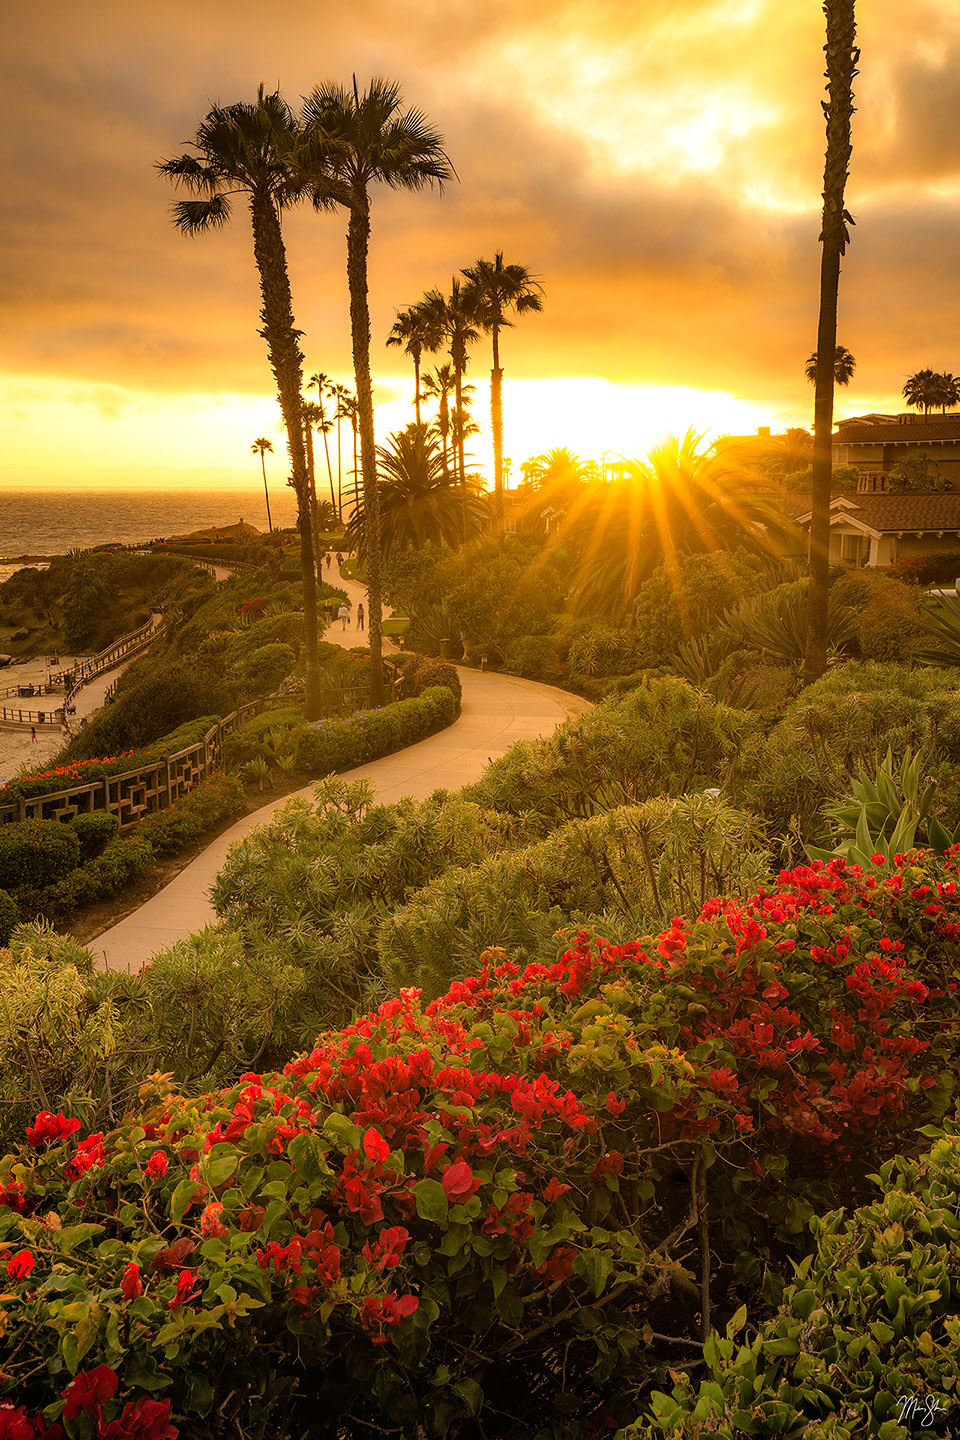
column 369, row 139
column 439, row 385
column 844, row 366
column 412, row 329
column 949, row 397
column 312, row 419
column 842, row 55
column 927, row 389
column 262, row 446
column 254, row 150
column 494, row 290
column 324, row 387
column 351, row 412
column 453, row 317
column 418, row 504
column 340, row 394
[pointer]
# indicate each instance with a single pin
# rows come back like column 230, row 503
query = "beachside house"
column 878, row 528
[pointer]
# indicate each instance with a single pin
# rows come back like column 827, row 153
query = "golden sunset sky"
column 657, row 166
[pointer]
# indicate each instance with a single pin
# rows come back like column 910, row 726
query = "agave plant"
column 940, row 617
column 886, row 814
column 776, row 622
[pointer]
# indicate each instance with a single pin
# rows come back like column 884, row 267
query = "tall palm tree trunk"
column 286, row 362
column 842, row 56
column 496, row 425
column 266, row 492
column 416, row 386
column 326, row 447
column 459, row 457
column 358, row 238
column 314, row 518
column 336, row 507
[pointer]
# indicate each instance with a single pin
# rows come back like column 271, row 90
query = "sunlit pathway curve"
column 497, row 710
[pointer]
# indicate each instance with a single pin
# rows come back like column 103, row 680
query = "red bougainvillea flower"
column 131, row 1286
column 157, row 1166
column 12, row 1196
column 386, row 1251
column 15, row 1425
column 50, row 1127
column 615, row 1106
column 210, row 1223
column 142, row 1420
column 21, row 1265
column 185, row 1291
column 88, row 1390
column 89, row 1156
column 374, row 1145
column 380, row 1311
column 458, row 1181
column 554, row 1190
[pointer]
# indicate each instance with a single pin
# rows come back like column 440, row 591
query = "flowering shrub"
column 62, row 777
column 437, row 1212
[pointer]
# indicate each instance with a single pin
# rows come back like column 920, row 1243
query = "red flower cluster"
column 48, row 1127
column 379, row 1312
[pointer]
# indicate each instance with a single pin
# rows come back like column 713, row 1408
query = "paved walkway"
column 497, row 710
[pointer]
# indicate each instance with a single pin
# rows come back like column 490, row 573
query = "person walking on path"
column 33, row 732
column 343, row 614
column 329, row 559
column 339, row 559
column 360, row 616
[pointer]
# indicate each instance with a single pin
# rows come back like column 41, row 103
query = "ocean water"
column 51, row 522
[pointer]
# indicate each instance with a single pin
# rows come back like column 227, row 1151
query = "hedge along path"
column 497, row 710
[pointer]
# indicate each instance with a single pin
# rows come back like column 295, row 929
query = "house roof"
column 929, row 430
column 923, row 510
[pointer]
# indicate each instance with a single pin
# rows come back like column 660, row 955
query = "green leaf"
column 737, row 1322
column 74, row 1235
column 181, row 1198
column 595, row 1267
column 431, row 1200
column 199, row 1396
column 471, row 1393
column 219, row 1168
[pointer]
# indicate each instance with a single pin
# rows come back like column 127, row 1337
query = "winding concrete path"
column 497, row 710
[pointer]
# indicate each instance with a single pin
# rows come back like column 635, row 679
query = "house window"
column 851, row 549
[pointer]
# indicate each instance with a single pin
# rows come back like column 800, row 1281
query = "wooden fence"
column 153, row 787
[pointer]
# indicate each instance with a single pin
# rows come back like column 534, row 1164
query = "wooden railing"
column 154, row 786
column 121, row 649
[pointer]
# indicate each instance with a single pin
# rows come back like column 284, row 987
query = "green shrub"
column 34, row 852
column 341, row 744
column 664, row 738
column 150, row 709
column 629, row 869
column 9, row 916
column 537, row 657
column 262, row 669
column 888, row 624
column 846, row 719
column 424, row 671
column 246, row 742
column 94, row 831
column 686, row 599
column 866, row 1341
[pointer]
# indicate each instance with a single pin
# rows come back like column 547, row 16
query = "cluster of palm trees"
column 331, row 155
column 481, row 301
column 932, row 390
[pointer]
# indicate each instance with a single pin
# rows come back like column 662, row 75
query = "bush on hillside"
column 628, row 870
column 247, row 741
column 261, row 670
column 888, row 624
column 686, row 599
column 422, row 672
column 845, row 720
column 418, row 1219
column 94, row 831
column 9, row 916
column 340, row 744
column 34, row 852
column 154, row 706
column 664, row 738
